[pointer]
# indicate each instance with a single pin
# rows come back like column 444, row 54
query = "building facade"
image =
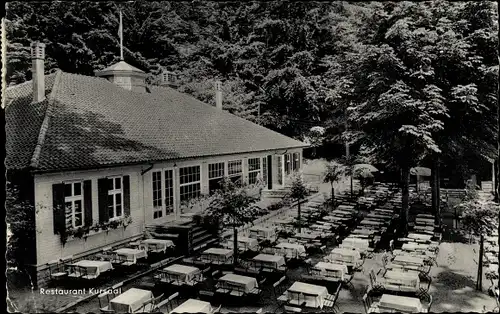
column 107, row 156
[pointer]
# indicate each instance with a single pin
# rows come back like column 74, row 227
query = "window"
column 115, row 198
column 235, row 170
column 215, row 175
column 169, row 191
column 296, row 162
column 163, row 205
column 73, row 201
column 253, row 170
column 157, row 199
column 190, row 182
column 280, row 169
column 264, row 169
column 288, row 165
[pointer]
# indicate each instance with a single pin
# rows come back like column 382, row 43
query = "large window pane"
column 169, row 191
column 77, row 189
column 68, row 191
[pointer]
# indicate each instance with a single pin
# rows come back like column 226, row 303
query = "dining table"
column 130, row 301
column 312, row 296
column 131, row 255
column 93, row 268
column 236, row 285
column 157, row 245
column 400, row 303
column 193, row 306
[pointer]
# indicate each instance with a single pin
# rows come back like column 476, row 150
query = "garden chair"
column 172, row 298
column 147, row 307
column 375, row 285
column 104, row 301
column 346, row 281
column 160, row 305
column 56, row 271
column 292, row 309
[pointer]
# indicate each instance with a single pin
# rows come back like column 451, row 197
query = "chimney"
column 168, row 78
column 38, row 68
column 218, row 95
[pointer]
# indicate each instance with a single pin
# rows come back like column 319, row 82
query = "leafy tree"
column 20, row 215
column 334, row 173
column 232, row 206
column 480, row 218
column 298, row 192
column 365, row 178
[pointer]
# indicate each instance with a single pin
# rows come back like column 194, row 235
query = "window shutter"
column 59, row 217
column 87, row 202
column 102, row 190
column 270, row 172
column 126, row 195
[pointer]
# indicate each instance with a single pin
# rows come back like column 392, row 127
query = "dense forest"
column 399, row 79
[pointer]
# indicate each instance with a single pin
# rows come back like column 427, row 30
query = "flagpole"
column 121, row 36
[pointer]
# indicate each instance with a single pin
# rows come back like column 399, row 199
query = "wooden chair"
column 56, row 270
column 347, row 280
column 172, row 298
column 158, row 306
column 102, row 298
column 292, row 309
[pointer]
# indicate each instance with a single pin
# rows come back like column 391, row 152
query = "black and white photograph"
column 251, row 156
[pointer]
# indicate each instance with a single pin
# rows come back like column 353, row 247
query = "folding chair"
column 104, row 297
column 56, row 271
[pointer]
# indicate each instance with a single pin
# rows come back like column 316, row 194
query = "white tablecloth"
column 247, row 283
column 94, row 268
column 408, row 260
column 245, row 243
column 193, row 306
column 404, row 304
column 402, row 278
column 291, row 250
column 315, row 298
column 131, row 300
column 339, row 269
column 217, row 254
column 182, row 272
column 157, row 244
column 132, row 255
column 343, row 254
column 268, row 260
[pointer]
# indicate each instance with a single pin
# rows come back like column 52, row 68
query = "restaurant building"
column 110, row 155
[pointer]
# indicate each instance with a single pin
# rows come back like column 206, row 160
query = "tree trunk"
column 298, row 214
column 405, row 199
column 434, row 189
column 495, row 180
column 333, row 195
column 479, row 283
column 235, row 246
column 436, row 195
column 352, row 186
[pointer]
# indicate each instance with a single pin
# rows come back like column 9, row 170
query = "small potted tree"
column 333, row 174
column 298, row 192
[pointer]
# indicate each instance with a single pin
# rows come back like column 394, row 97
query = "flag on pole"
column 120, row 35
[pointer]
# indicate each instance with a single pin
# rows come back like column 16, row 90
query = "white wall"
column 49, row 246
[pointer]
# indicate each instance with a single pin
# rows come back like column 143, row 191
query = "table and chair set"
column 101, row 265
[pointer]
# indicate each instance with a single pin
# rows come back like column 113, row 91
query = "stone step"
column 196, row 241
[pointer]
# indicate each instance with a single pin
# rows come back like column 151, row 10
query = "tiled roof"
column 23, row 120
column 94, row 123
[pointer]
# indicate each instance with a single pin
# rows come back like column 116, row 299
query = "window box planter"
column 85, row 232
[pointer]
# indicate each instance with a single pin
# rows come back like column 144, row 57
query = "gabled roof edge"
column 45, row 124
